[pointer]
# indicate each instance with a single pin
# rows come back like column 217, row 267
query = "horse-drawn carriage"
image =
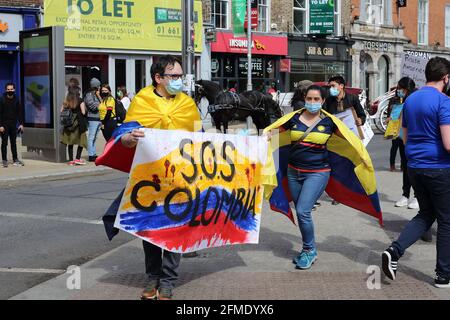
column 226, row 106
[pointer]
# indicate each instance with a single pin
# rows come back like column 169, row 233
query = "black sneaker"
column 440, row 282
column 334, row 203
column 389, row 261
column 92, row 158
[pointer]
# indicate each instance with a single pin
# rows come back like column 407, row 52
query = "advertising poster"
column 138, row 24
column 36, row 56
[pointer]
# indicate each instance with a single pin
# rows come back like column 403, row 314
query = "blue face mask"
column 334, row 92
column 400, row 94
column 175, row 86
column 313, row 107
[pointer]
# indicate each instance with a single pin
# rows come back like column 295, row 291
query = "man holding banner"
column 161, row 106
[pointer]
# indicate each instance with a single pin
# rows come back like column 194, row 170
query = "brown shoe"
column 150, row 292
column 164, row 294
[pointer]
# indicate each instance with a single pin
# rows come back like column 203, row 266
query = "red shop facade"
column 229, row 62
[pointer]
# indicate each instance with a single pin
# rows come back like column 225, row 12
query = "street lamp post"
column 249, row 54
column 188, row 49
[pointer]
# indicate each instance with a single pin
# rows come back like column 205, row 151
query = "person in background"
column 396, row 141
column 107, row 112
column 92, row 100
column 10, row 116
column 339, row 100
column 405, row 87
column 426, row 134
column 122, row 95
column 298, row 99
column 74, row 86
column 76, row 134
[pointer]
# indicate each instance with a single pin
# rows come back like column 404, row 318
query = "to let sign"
column 321, row 16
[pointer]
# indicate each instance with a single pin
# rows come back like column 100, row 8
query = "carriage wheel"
column 381, row 124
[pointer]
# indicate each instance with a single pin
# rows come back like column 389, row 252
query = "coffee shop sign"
column 377, row 46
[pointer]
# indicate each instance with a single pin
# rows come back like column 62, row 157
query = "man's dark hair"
column 161, row 65
column 338, row 79
column 10, row 84
column 436, row 69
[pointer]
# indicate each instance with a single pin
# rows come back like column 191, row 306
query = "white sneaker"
column 402, row 202
column 413, row 204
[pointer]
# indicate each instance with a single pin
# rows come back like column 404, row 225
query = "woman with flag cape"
column 312, row 151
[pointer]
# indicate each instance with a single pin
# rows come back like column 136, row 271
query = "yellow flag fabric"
column 153, row 111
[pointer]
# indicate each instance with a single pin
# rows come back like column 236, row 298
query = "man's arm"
column 445, row 133
column 405, row 135
column 359, row 109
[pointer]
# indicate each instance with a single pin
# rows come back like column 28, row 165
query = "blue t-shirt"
column 423, row 113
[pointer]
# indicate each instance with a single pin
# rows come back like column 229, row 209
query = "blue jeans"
column 432, row 189
column 93, row 129
column 306, row 188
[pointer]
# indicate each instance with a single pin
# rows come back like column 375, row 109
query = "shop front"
column 12, row 21
column 118, row 42
column 317, row 60
column 229, row 61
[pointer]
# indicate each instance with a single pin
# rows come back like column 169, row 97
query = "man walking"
column 92, row 100
column 162, row 106
column 426, row 134
column 10, row 115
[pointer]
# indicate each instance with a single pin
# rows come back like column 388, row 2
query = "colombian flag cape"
column 148, row 110
column 352, row 180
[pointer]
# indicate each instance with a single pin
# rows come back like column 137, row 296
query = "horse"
column 227, row 106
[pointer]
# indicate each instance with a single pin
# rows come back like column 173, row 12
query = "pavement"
column 36, row 168
column 349, row 249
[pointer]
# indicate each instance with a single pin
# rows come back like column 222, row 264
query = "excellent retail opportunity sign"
column 117, row 24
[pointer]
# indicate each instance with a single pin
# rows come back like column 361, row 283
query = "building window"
column 220, row 13
column 337, row 17
column 423, row 22
column 263, row 15
column 300, row 16
column 375, row 11
column 383, row 76
column 447, row 26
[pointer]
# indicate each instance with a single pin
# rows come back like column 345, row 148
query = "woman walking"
column 75, row 132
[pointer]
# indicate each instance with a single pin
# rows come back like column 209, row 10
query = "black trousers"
column 395, row 146
column 11, row 133
column 108, row 128
column 404, row 165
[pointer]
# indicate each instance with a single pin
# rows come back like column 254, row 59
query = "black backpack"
column 120, row 111
column 68, row 119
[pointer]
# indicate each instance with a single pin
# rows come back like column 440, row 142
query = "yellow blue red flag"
column 352, row 180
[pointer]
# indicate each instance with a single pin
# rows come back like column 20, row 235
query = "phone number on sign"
column 171, row 31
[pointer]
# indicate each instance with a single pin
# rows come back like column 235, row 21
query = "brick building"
column 391, row 39
column 15, row 16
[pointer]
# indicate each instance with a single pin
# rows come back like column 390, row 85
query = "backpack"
column 120, row 111
column 68, row 119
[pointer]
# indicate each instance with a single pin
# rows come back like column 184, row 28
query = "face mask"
column 10, row 93
column 334, row 92
column 313, row 107
column 104, row 94
column 400, row 94
column 119, row 94
column 174, row 86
